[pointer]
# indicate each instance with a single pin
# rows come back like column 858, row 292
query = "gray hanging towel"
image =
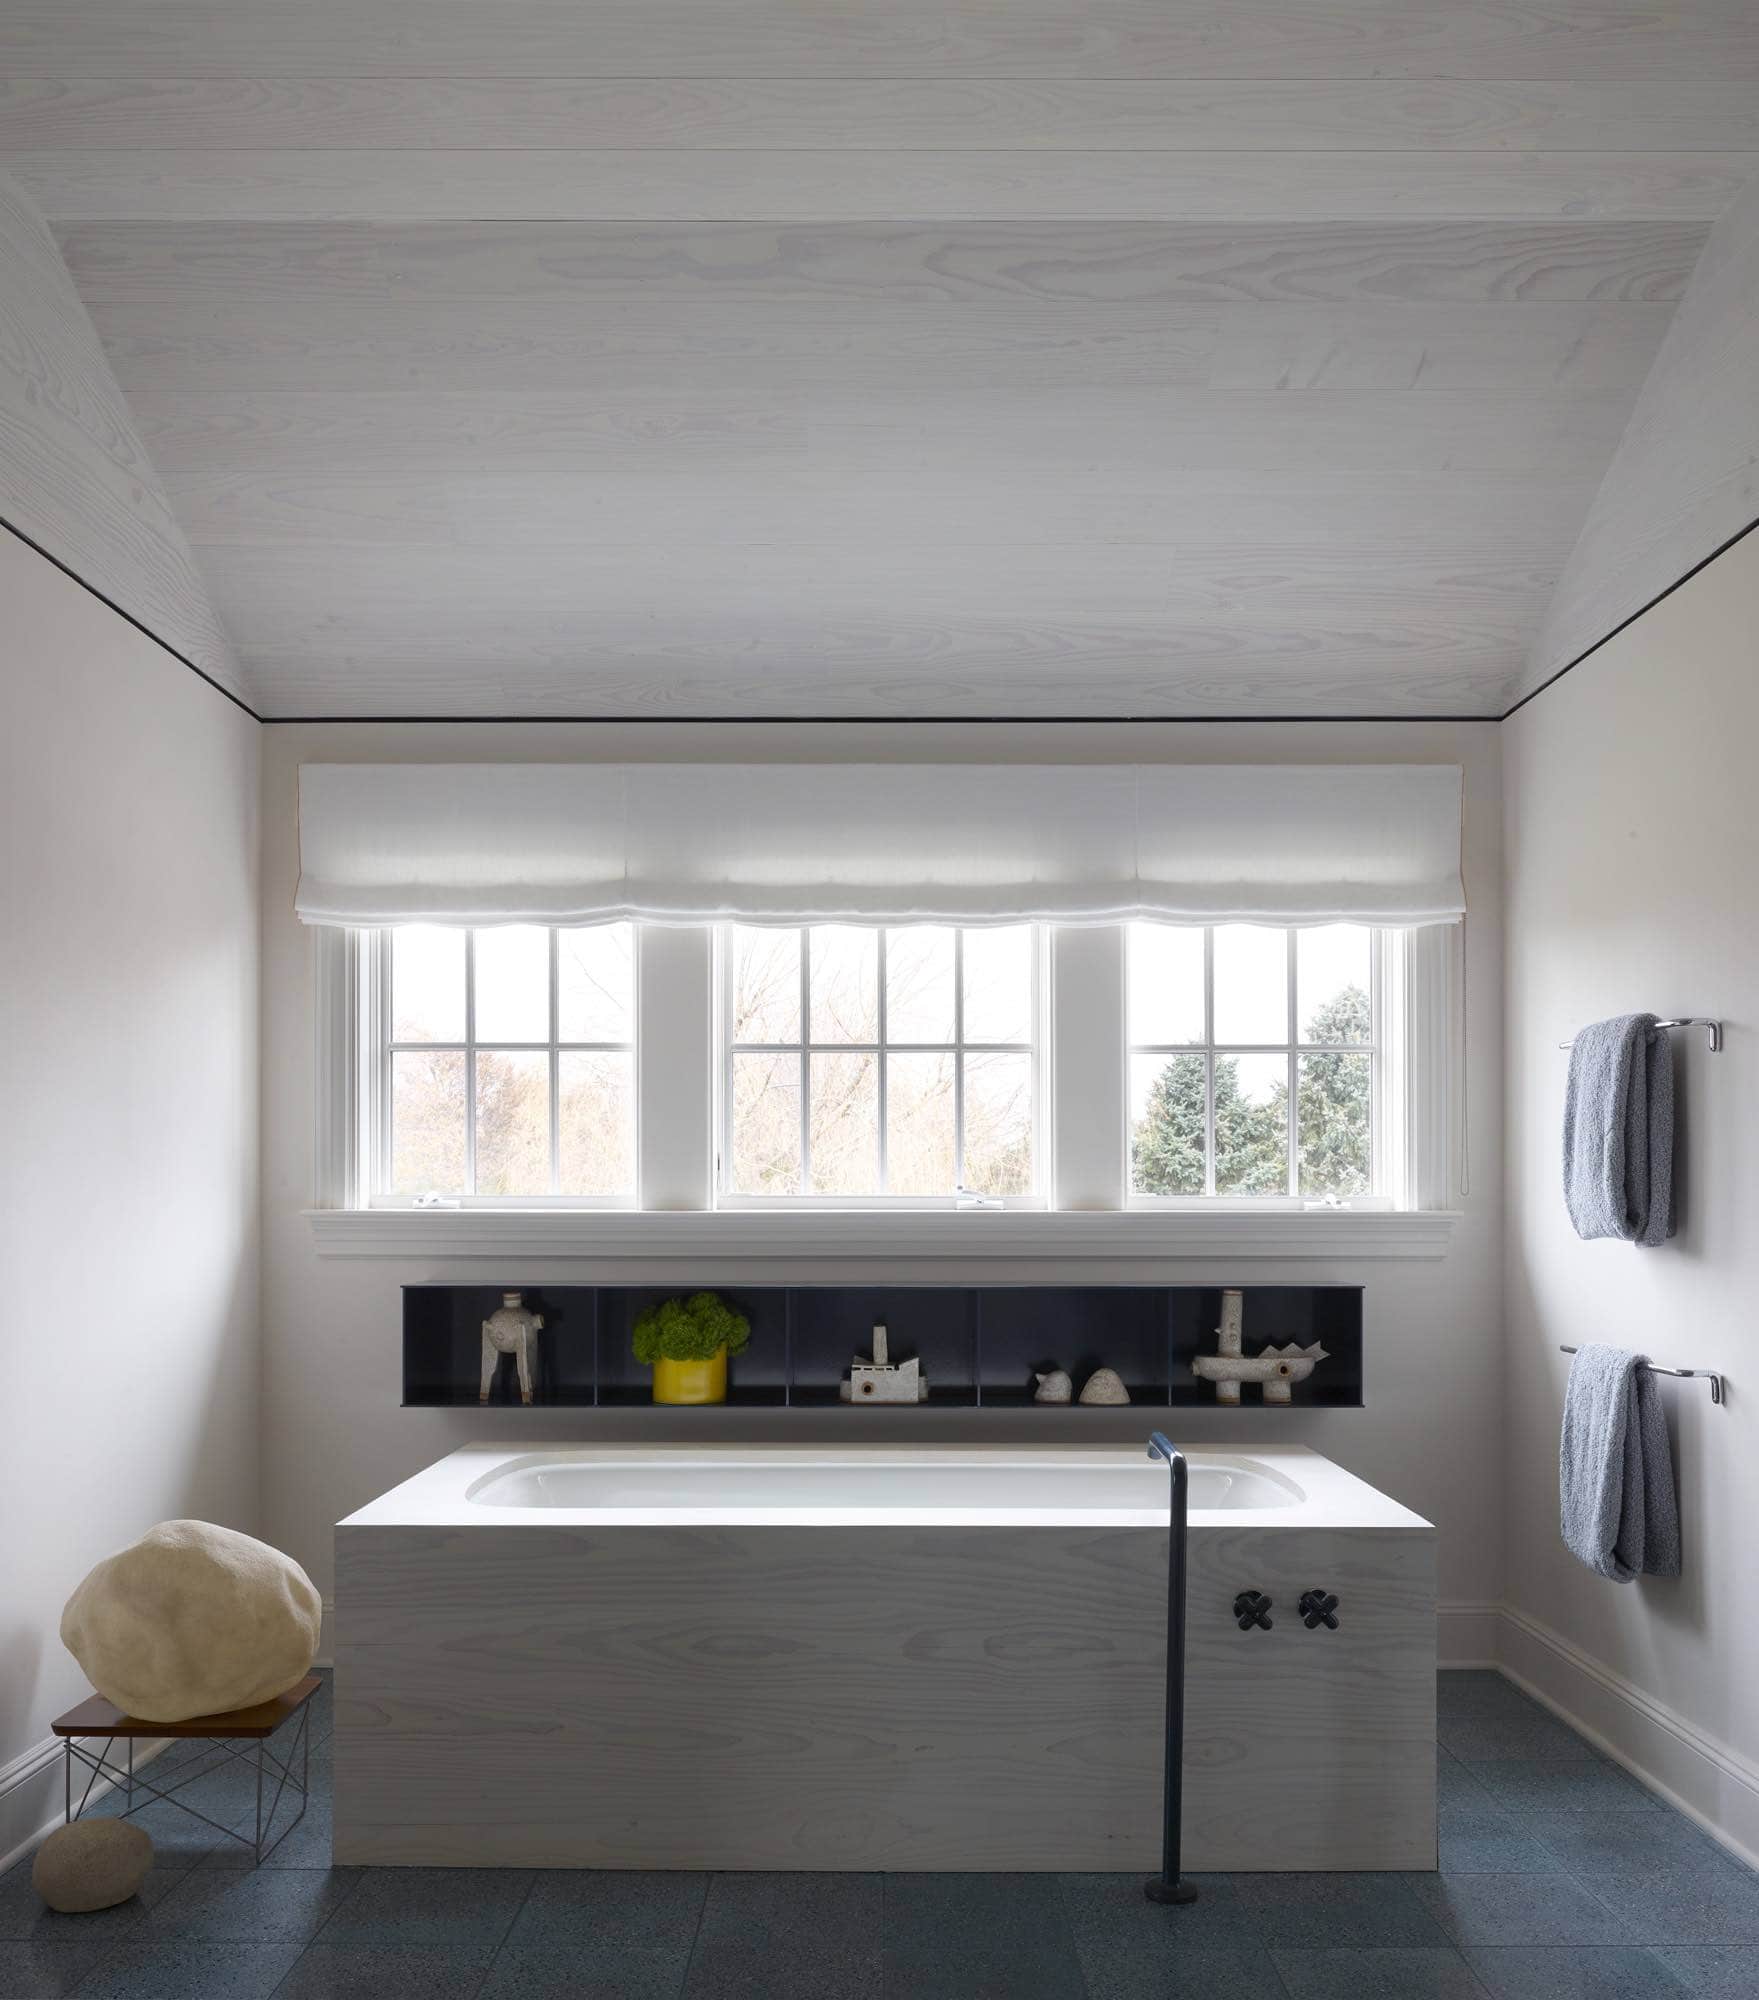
column 1615, row 1472
column 1618, row 1130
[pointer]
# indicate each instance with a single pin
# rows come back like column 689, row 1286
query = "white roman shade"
column 864, row 843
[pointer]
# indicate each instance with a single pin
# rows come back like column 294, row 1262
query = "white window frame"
column 727, row 1197
column 378, row 1049
column 1385, row 1146
column 1084, row 1211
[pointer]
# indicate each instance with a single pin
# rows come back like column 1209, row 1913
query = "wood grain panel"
column 196, row 266
column 74, row 475
column 804, row 1698
column 1686, row 475
column 756, row 350
column 900, row 673
column 603, row 587
column 1175, row 115
column 1579, row 39
column 1190, row 430
column 1324, row 523
column 875, row 185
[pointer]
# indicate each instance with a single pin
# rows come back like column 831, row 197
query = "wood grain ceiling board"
column 836, row 358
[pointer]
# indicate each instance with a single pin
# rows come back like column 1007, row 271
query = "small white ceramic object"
column 1104, row 1385
column 1054, row 1386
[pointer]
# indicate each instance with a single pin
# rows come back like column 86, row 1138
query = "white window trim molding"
column 1013, row 1235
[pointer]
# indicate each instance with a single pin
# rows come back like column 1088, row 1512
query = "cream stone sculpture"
column 91, row 1864
column 512, row 1328
column 1278, row 1369
column 1104, row 1385
column 192, row 1620
column 1054, row 1386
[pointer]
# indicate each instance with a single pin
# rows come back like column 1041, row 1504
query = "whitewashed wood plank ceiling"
column 856, row 358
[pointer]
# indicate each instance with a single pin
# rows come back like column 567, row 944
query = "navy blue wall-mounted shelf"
column 979, row 1344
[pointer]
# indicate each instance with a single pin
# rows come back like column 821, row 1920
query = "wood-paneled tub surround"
column 865, row 1657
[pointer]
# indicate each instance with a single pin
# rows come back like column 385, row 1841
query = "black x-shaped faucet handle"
column 1319, row 1607
column 1251, row 1608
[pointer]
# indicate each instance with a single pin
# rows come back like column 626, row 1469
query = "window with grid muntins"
column 1254, row 1061
column 507, row 1068
column 862, row 1061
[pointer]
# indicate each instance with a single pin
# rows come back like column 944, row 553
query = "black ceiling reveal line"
column 862, row 721
column 1642, row 611
column 128, row 617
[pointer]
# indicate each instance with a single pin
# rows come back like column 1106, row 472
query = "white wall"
column 128, row 1073
column 1633, row 882
column 334, row 1435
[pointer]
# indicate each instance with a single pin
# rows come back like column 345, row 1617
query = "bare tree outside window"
column 509, row 1060
column 865, row 1062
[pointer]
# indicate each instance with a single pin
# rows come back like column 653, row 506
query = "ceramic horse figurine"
column 510, row 1329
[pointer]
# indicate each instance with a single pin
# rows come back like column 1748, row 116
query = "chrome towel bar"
column 1684, row 1021
column 1685, row 1374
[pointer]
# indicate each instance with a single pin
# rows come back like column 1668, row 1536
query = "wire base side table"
column 240, row 1736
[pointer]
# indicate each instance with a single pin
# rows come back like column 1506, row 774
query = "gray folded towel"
column 1618, row 1130
column 1615, row 1472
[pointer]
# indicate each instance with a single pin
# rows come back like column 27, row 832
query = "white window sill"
column 1006, row 1234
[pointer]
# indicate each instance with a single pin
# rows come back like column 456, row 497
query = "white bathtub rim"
column 437, row 1496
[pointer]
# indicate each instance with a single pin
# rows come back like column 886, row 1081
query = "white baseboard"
column 33, row 1796
column 1707, row 1780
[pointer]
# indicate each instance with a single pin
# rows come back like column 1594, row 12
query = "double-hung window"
column 880, row 1063
column 1255, row 1062
column 505, row 1064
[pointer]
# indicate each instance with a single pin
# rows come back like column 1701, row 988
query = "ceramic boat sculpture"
column 879, row 1379
column 1277, row 1369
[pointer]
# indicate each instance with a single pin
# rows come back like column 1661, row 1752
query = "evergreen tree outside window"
column 1253, row 1061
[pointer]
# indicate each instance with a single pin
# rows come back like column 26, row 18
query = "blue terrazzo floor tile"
column 1476, row 1739
column 388, row 1972
column 49, row 1971
column 430, row 1906
column 641, row 1908
column 1575, row 1972
column 179, row 1842
column 1335, row 1911
column 1562, row 1784
column 1200, row 1973
column 1490, row 1843
column 302, row 1844
column 1683, row 1906
column 1457, row 1785
column 1495, row 1910
column 263, row 1903
column 1106, row 1911
column 586, row 1972
column 788, row 1937
column 968, row 1937
column 1590, row 1843
column 1714, row 1972
column 176, row 1967
column 1434, row 1972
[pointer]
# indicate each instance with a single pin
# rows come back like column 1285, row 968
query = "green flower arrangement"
column 692, row 1329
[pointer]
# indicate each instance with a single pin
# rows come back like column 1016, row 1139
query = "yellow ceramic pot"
column 691, row 1381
